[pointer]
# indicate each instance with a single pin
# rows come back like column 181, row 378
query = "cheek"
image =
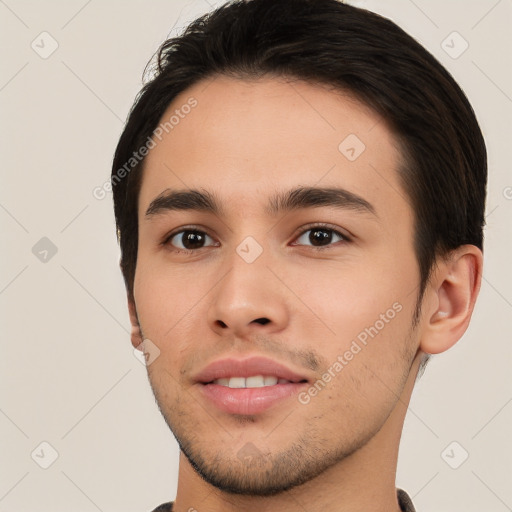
column 365, row 310
column 165, row 300
column 348, row 298
column 367, row 363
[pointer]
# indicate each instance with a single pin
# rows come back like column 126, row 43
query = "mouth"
column 249, row 386
column 254, row 381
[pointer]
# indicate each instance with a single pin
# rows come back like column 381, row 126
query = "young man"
column 299, row 195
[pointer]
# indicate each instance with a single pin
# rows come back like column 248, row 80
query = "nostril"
column 262, row 321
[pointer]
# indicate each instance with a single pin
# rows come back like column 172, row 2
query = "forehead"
column 244, row 140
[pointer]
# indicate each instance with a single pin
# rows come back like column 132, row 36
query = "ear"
column 450, row 298
column 136, row 335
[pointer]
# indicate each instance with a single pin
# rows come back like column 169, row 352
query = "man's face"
column 326, row 291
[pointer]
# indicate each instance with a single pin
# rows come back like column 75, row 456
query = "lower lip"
column 249, row 400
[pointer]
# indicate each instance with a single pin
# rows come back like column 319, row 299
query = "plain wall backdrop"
column 69, row 378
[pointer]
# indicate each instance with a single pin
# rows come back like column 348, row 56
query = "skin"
column 245, row 141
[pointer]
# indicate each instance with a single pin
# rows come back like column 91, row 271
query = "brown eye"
column 320, row 237
column 189, row 240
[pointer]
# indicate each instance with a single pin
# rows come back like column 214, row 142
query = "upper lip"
column 256, row 365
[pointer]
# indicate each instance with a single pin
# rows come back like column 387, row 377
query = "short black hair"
column 444, row 162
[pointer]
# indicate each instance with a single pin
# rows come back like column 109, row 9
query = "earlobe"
column 453, row 290
column 136, row 335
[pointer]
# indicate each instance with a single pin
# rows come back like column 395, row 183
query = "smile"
column 255, row 381
column 248, row 386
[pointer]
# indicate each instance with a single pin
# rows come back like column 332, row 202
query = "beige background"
column 68, row 373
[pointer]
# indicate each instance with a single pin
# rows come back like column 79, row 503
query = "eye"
column 320, row 237
column 188, row 240
column 192, row 239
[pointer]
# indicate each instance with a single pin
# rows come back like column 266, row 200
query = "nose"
column 249, row 299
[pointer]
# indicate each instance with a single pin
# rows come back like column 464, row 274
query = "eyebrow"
column 295, row 199
column 316, row 197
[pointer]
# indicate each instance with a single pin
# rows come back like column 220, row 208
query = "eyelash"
column 196, row 229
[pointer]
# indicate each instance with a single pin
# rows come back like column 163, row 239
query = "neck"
column 363, row 481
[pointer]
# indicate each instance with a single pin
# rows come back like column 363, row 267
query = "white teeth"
column 237, row 382
column 254, row 381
